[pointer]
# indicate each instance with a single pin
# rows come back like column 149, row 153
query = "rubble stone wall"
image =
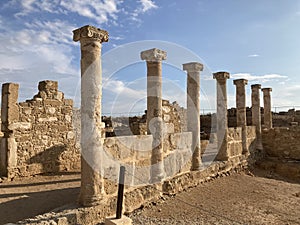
column 282, row 142
column 38, row 136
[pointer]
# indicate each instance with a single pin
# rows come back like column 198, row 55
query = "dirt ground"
column 236, row 199
column 28, row 197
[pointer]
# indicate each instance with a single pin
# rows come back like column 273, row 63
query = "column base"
column 197, row 167
column 90, row 201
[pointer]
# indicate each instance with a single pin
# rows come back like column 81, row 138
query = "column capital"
column 221, row 76
column 192, row 67
column 255, row 86
column 240, row 82
column 90, row 32
column 154, row 55
column 266, row 90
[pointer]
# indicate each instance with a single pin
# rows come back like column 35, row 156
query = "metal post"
column 120, row 192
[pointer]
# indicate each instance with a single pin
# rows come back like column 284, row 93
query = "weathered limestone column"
column 154, row 59
column 193, row 109
column 256, row 116
column 91, row 38
column 222, row 120
column 267, row 108
column 9, row 116
column 241, row 117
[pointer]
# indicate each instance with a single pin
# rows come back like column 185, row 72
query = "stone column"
column 256, row 116
column 91, row 38
column 267, row 108
column 241, row 117
column 222, row 120
column 9, row 116
column 154, row 59
column 193, row 109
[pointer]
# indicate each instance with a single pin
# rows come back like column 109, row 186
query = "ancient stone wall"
column 251, row 139
column 173, row 115
column 40, row 137
column 234, row 140
column 135, row 153
column 282, row 142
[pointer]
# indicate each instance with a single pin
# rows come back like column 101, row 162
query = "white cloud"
column 98, row 10
column 31, row 6
column 41, row 50
column 262, row 78
column 253, row 56
column 101, row 11
column 121, row 97
column 147, row 5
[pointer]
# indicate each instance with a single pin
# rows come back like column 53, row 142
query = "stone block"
column 68, row 102
column 9, row 106
column 169, row 128
column 52, row 102
column 59, row 96
column 47, row 119
column 48, row 85
column 181, row 140
column 133, row 200
column 170, row 164
column 123, row 221
column 20, row 126
column 12, row 157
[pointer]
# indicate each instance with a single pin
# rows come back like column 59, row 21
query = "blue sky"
column 257, row 40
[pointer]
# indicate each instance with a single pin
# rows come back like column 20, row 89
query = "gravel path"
column 237, row 199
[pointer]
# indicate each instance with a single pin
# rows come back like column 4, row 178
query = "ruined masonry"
column 164, row 156
column 38, row 134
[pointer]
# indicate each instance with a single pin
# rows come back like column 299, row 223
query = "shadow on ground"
column 26, row 200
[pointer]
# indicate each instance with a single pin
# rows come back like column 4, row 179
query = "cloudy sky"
column 257, row 40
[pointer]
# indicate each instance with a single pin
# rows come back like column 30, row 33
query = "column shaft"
column 267, row 108
column 193, row 110
column 154, row 92
column 241, row 110
column 256, row 116
column 154, row 59
column 222, row 120
column 92, row 189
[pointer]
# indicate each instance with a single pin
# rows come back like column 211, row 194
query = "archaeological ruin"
column 163, row 150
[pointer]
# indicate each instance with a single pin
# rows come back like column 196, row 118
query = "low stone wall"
column 251, row 139
column 134, row 152
column 282, row 142
column 234, row 140
column 136, row 197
